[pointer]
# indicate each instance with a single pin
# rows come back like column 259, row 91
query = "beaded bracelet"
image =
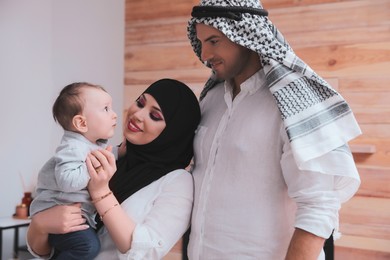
column 102, row 197
column 105, row 212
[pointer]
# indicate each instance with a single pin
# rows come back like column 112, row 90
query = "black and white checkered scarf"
column 316, row 118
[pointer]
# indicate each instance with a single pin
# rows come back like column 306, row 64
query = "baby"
column 85, row 113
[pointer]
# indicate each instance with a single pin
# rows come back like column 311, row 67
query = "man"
column 272, row 164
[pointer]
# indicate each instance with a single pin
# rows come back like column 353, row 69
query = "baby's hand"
column 109, row 148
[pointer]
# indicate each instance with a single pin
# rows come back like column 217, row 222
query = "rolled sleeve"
column 144, row 242
column 317, row 201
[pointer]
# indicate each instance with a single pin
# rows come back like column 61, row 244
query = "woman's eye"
column 156, row 116
column 140, row 102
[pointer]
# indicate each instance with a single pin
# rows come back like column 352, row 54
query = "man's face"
column 226, row 58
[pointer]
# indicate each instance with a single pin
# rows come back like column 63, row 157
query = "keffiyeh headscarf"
column 316, row 118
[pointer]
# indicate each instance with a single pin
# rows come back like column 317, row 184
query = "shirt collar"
column 251, row 85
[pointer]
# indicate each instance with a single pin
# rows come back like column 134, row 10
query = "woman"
column 145, row 207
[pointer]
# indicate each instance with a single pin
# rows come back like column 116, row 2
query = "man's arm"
column 304, row 246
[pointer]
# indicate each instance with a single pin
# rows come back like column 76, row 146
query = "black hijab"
column 171, row 150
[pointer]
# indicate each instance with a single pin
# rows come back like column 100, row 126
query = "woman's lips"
column 132, row 126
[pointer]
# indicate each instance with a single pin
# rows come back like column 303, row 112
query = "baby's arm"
column 70, row 171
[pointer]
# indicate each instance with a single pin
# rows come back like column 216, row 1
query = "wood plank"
column 375, row 131
column 374, row 69
column 363, row 148
column 377, row 117
column 367, row 99
column 366, row 211
column 369, row 59
column 170, row 56
column 381, row 158
column 155, row 9
column 337, row 61
column 271, row 4
column 359, row 83
column 345, row 253
column 356, row 11
column 381, row 245
column 365, row 219
column 338, row 36
column 160, row 25
column 152, row 9
column 186, row 75
column 157, row 31
column 327, row 17
column 366, row 230
column 375, row 181
column 175, row 30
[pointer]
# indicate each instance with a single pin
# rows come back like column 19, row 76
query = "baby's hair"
column 69, row 103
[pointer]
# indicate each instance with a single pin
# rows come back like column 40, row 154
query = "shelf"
column 362, row 148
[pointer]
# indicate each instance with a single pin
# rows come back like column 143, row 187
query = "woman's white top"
column 162, row 211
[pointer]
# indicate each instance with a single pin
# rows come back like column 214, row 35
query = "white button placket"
column 206, row 183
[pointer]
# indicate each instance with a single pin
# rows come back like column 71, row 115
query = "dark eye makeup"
column 155, row 114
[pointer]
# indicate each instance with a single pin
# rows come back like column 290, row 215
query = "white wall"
column 45, row 45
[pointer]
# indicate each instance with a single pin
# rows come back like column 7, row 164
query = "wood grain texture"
column 375, row 182
column 344, row 41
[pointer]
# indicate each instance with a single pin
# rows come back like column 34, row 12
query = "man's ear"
column 80, row 123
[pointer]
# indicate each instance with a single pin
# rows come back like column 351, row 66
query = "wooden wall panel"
column 157, row 31
column 154, row 9
column 375, row 182
column 275, row 4
column 188, row 75
column 345, row 41
column 347, row 60
column 324, row 17
column 359, row 83
column 170, row 56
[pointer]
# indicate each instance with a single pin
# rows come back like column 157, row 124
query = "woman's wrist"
column 97, row 195
column 97, row 199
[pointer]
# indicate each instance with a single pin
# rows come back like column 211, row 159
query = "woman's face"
column 144, row 121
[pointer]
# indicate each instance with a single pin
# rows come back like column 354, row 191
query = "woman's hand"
column 60, row 219
column 101, row 166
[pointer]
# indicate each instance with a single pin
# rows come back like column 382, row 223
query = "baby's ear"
column 80, row 123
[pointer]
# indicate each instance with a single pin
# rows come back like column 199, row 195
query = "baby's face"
column 100, row 117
